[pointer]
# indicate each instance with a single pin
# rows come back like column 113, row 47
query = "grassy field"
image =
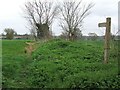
column 14, row 62
column 58, row 64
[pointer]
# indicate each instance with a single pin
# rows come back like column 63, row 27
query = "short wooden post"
column 107, row 38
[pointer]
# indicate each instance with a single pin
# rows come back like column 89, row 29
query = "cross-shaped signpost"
column 106, row 24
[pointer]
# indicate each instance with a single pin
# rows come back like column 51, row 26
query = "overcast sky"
column 11, row 16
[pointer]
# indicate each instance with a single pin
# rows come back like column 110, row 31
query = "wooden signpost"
column 106, row 24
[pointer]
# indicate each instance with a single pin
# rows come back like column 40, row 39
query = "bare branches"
column 73, row 13
column 40, row 13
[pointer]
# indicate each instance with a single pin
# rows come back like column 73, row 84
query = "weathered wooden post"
column 107, row 24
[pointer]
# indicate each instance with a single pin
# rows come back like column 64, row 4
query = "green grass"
column 59, row 64
column 14, row 61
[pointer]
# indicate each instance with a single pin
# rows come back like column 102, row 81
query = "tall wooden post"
column 107, row 40
column 107, row 24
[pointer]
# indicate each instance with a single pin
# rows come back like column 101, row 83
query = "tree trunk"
column 43, row 31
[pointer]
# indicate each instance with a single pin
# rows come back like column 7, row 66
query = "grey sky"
column 119, row 18
column 11, row 16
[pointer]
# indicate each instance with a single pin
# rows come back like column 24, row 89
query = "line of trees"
column 41, row 14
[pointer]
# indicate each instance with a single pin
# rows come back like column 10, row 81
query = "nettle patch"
column 59, row 50
column 60, row 63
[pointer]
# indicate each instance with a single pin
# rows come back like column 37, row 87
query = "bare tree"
column 73, row 13
column 40, row 15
